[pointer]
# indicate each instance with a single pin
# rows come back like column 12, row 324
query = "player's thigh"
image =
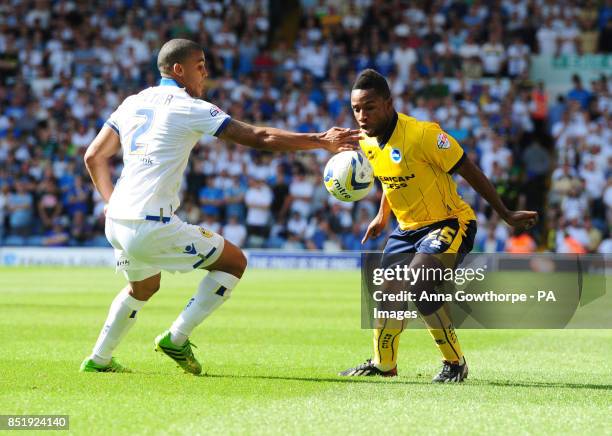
column 448, row 241
column 401, row 241
column 143, row 289
column 121, row 234
column 178, row 246
column 458, row 243
column 468, row 235
column 133, row 269
column 441, row 237
column 400, row 248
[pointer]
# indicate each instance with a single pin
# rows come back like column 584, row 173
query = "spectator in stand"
column 80, row 229
column 301, row 191
column 405, row 58
column 605, row 38
column 490, row 243
column 296, row 227
column 234, row 231
column 20, row 205
column 211, row 198
column 605, row 247
column 317, row 232
column 233, row 197
column 4, row 196
column 56, row 236
column 493, row 56
column 607, row 198
column 578, row 93
column 575, row 204
column 77, row 197
column 547, row 37
column 49, row 205
column 566, row 243
column 258, row 199
column 589, row 36
column 520, row 242
column 518, row 58
column 352, row 240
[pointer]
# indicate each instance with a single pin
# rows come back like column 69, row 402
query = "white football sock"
column 121, row 318
column 213, row 290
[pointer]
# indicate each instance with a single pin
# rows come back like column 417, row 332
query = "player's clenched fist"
column 521, row 219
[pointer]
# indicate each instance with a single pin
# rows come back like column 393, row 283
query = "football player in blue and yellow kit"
column 414, row 161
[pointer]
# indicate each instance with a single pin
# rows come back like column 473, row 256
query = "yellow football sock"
column 442, row 331
column 386, row 344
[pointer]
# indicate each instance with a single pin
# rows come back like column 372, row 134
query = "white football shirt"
column 158, row 128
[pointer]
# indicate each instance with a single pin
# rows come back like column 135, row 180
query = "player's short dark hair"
column 175, row 51
column 370, row 79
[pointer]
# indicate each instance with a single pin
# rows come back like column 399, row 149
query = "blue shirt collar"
column 167, row 81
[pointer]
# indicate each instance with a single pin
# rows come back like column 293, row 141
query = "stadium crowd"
column 65, row 66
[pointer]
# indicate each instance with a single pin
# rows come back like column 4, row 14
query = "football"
column 348, row 176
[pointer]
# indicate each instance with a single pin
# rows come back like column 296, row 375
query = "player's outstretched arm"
column 102, row 148
column 476, row 178
column 335, row 139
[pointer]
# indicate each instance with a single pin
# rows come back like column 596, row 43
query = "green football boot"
column 181, row 354
column 89, row 365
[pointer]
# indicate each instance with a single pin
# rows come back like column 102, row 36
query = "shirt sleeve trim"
column 458, row 164
column 112, row 126
column 222, row 126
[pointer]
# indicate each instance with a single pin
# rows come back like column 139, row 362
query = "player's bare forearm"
column 379, row 222
column 103, row 147
column 476, row 178
column 481, row 184
column 384, row 210
column 100, row 174
column 269, row 138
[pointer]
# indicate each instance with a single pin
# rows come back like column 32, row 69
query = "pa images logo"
column 205, row 233
column 443, row 141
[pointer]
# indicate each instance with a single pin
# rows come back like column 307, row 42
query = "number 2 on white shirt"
column 136, row 147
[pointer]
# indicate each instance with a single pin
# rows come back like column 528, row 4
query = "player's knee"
column 232, row 261
column 154, row 288
column 144, row 289
column 142, row 294
column 239, row 264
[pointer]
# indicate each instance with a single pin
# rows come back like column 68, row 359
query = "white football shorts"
column 143, row 248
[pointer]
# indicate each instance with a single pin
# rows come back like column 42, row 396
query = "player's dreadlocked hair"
column 370, row 79
column 175, row 51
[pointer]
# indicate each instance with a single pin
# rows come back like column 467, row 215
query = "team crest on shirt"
column 396, row 155
column 206, row 233
column 214, row 110
column 443, row 141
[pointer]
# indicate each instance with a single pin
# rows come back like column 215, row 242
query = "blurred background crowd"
column 65, row 66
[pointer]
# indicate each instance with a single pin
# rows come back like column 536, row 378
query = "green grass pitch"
column 271, row 355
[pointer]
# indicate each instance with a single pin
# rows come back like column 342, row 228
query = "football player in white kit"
column 156, row 129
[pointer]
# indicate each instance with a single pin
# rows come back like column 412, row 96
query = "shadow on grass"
column 557, row 385
column 476, row 382
column 323, row 379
